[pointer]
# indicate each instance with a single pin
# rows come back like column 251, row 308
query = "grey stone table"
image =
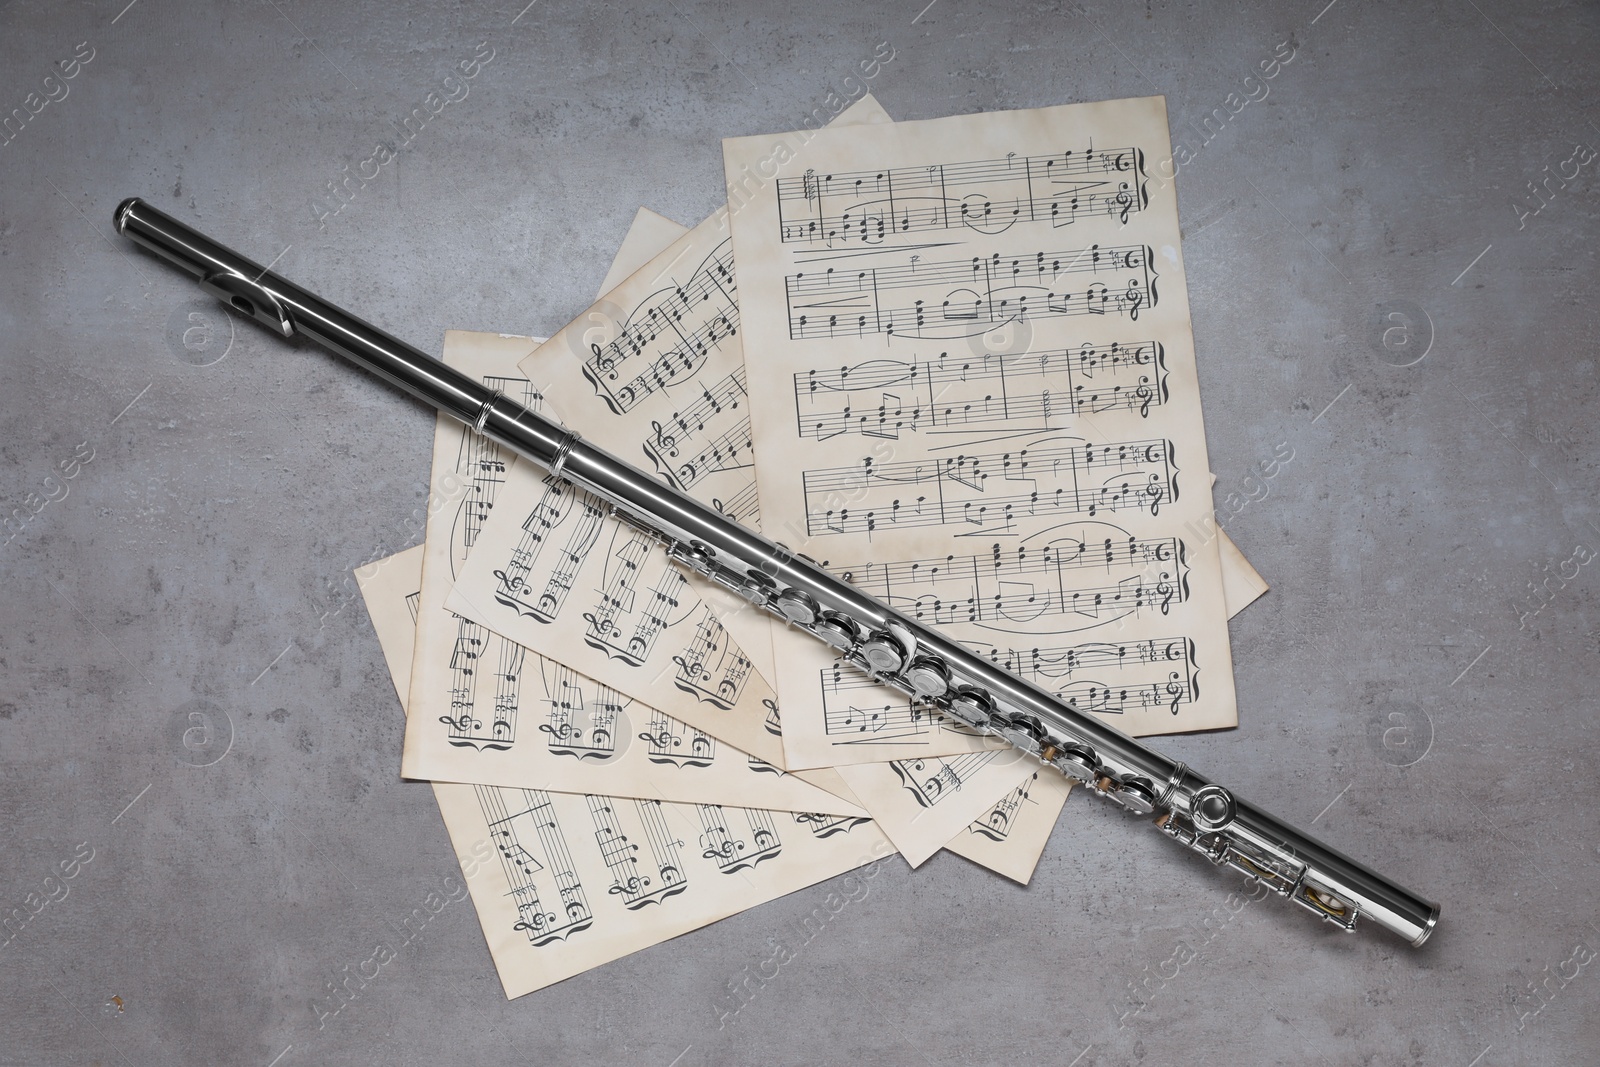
column 1391, row 247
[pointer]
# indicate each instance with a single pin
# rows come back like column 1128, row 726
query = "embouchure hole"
column 244, row 305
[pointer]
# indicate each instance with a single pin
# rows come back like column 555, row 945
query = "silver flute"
column 893, row 649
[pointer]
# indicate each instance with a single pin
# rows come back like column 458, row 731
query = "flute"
column 894, row 649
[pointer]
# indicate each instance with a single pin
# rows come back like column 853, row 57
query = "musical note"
column 1052, row 480
column 551, row 902
column 712, row 667
column 895, row 720
column 668, row 336
column 1025, row 391
column 677, row 743
column 734, row 849
column 964, row 298
column 1091, row 569
column 468, row 727
column 481, row 462
column 617, row 599
column 930, row 781
column 689, row 446
column 997, row 822
column 580, row 724
column 514, row 581
column 867, row 206
column 638, row 885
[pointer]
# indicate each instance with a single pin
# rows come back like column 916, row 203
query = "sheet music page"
column 655, row 369
column 1008, row 838
column 555, row 572
column 563, row 883
column 977, row 398
column 647, row 235
column 587, row 734
column 391, row 588
column 923, row 803
column 487, row 710
column 653, row 372
column 1242, row 584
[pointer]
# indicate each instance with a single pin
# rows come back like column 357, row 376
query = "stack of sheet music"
column 971, row 388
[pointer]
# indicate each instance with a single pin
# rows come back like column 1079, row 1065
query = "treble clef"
column 509, row 584
column 1156, row 493
column 691, row 669
column 1144, row 394
column 601, row 627
column 661, row 740
column 560, row 732
column 665, row 443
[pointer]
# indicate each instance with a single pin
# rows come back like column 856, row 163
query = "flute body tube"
column 894, row 649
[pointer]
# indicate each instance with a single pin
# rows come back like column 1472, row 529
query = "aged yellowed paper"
column 486, row 710
column 647, row 235
column 977, row 399
column 1028, row 812
column 563, row 883
column 591, row 747
column 1008, row 838
column 589, row 737
column 560, row 881
column 654, row 373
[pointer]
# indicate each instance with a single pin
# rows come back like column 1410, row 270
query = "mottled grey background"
column 175, row 633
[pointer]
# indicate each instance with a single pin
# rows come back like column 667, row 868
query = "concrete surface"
column 190, row 697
